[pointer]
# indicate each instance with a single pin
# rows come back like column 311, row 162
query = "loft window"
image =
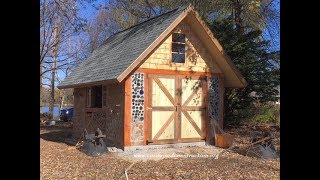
column 178, row 47
column 94, row 97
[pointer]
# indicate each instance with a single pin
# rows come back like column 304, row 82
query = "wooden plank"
column 162, row 108
column 194, row 88
column 189, row 118
column 81, row 85
column 175, row 72
column 146, row 104
column 187, row 129
column 147, row 110
column 168, row 76
column 178, row 108
column 221, row 97
column 165, row 141
column 127, row 113
column 164, row 127
column 164, row 89
column 187, row 140
column 142, row 57
column 88, row 97
column 194, row 92
column 205, row 119
column 192, row 108
column 159, row 98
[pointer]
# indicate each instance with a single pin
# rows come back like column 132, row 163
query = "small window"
column 178, row 47
column 94, row 97
column 178, row 58
column 178, row 37
column 88, row 97
column 104, row 96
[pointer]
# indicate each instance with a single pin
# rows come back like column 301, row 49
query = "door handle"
column 149, row 108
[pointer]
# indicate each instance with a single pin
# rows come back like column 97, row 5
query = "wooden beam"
column 194, row 92
column 205, row 119
column 146, row 104
column 160, row 108
column 188, row 140
column 192, row 108
column 195, row 126
column 175, row 72
column 111, row 81
column 164, row 90
column 149, row 104
column 164, row 141
column 221, row 103
column 153, row 45
column 177, row 123
column 164, row 126
column 127, row 113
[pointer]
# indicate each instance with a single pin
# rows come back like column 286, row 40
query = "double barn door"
column 176, row 109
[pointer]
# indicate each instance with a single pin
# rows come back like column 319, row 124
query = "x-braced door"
column 176, row 109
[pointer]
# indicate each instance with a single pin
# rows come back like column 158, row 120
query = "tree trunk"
column 237, row 9
column 53, row 70
column 53, row 75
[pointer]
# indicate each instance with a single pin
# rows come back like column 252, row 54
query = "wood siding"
column 197, row 57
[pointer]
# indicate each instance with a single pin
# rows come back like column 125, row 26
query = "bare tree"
column 58, row 22
column 247, row 14
column 99, row 29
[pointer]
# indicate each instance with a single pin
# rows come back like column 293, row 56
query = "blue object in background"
column 55, row 110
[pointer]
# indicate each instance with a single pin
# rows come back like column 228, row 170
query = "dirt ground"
column 59, row 159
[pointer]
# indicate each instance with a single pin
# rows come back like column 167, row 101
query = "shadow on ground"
column 60, row 133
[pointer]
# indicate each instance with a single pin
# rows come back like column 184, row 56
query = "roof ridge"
column 179, row 8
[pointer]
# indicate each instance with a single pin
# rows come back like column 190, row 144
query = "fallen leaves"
column 61, row 161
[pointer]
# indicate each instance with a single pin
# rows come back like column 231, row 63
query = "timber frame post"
column 127, row 113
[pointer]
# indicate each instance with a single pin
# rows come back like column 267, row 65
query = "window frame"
column 104, row 95
column 88, row 97
column 179, row 53
column 91, row 97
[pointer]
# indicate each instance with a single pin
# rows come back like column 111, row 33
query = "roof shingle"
column 120, row 50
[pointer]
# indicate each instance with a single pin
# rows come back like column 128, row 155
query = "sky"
column 275, row 44
column 88, row 11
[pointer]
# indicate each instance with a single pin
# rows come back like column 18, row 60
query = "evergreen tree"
column 260, row 67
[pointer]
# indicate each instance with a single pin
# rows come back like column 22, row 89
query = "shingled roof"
column 126, row 50
column 120, row 50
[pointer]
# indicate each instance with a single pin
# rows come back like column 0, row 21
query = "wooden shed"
column 153, row 82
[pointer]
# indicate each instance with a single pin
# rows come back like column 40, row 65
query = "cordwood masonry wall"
column 108, row 118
